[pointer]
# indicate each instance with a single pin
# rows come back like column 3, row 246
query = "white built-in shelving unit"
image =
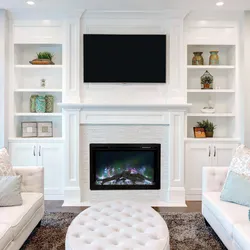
column 26, row 81
column 224, row 92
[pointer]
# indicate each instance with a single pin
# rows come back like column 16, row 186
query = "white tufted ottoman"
column 123, row 225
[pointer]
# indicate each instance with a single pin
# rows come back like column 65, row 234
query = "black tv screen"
column 125, row 58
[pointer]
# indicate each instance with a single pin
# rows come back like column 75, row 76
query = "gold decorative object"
column 198, row 58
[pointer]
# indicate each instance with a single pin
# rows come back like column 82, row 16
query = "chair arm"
column 213, row 178
column 32, row 178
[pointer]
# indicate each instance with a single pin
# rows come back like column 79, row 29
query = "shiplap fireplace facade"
column 159, row 124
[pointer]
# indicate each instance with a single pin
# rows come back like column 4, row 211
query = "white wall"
column 247, row 77
column 3, row 78
column 138, row 23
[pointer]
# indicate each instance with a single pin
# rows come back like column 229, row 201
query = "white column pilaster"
column 71, row 155
column 176, row 160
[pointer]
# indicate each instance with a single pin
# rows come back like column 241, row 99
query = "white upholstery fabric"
column 32, row 178
column 19, row 221
column 241, row 235
column 118, row 225
column 19, row 216
column 6, row 235
column 229, row 220
column 213, row 178
column 227, row 213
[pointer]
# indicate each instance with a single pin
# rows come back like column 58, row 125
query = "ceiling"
column 124, row 5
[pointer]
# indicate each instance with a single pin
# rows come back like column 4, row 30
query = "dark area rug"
column 188, row 231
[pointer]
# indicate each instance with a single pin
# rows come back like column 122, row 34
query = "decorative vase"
column 49, row 99
column 214, row 58
column 33, row 103
column 40, row 104
column 198, row 58
column 209, row 134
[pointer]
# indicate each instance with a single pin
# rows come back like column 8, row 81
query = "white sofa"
column 16, row 223
column 229, row 221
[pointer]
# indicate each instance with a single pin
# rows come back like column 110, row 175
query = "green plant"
column 207, row 125
column 45, row 55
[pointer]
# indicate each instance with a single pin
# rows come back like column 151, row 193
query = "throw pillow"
column 236, row 189
column 241, row 161
column 6, row 168
column 10, row 191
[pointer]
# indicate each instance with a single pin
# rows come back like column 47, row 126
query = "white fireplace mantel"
column 152, row 115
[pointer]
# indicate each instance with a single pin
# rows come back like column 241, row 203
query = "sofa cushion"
column 241, row 234
column 19, row 216
column 227, row 213
column 10, row 192
column 6, row 235
column 236, row 189
column 6, row 168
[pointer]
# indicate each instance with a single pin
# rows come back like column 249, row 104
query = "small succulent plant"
column 45, row 55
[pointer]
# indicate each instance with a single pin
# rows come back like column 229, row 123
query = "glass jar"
column 49, row 103
column 40, row 104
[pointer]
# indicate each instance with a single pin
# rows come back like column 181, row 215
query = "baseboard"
column 193, row 197
column 57, row 197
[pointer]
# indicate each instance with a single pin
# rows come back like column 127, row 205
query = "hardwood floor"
column 56, row 206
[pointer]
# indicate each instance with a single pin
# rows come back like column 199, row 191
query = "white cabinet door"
column 23, row 154
column 222, row 153
column 50, row 156
column 197, row 155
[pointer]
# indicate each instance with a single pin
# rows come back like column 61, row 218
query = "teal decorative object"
column 214, row 58
column 49, row 103
column 236, row 189
column 40, row 104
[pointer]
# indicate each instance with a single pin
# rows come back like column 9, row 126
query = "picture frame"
column 199, row 132
column 29, row 129
column 44, row 129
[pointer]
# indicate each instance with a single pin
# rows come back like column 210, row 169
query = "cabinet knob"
column 209, row 151
column 34, row 150
column 214, row 151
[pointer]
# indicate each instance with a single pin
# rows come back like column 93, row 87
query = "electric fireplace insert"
column 124, row 166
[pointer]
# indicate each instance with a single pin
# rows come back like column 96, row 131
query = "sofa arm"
column 213, row 178
column 32, row 178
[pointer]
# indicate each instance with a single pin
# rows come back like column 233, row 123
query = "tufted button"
column 114, row 242
column 88, row 241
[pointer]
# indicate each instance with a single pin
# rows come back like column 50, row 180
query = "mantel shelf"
column 175, row 106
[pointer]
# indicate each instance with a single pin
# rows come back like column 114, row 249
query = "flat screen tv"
column 125, row 58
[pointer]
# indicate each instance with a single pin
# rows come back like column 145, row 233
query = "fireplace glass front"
column 124, row 166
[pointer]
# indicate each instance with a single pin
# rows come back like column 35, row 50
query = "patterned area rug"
column 187, row 232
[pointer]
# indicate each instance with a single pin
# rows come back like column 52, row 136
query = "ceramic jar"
column 40, row 104
column 214, row 58
column 33, row 103
column 198, row 58
column 49, row 99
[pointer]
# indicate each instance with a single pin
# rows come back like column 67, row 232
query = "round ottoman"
column 118, row 225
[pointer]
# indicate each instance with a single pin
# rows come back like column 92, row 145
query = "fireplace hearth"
column 124, row 166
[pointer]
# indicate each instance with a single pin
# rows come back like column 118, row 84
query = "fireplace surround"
column 124, row 166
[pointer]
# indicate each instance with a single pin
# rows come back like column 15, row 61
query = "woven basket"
column 41, row 62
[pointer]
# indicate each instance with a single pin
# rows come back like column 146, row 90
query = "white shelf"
column 210, row 115
column 30, row 66
column 38, row 90
column 38, row 114
column 40, row 139
column 222, row 139
column 210, row 66
column 211, row 91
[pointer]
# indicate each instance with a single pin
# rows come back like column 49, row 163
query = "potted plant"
column 43, row 58
column 208, row 126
